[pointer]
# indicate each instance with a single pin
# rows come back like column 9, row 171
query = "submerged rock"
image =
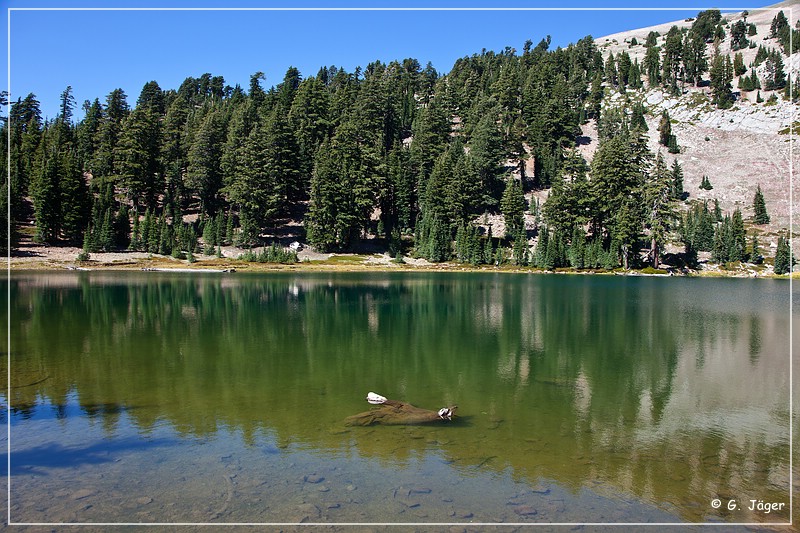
column 83, row 493
column 525, row 510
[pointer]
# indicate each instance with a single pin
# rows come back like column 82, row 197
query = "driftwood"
column 393, row 412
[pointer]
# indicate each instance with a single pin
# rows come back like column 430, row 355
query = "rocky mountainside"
column 740, row 148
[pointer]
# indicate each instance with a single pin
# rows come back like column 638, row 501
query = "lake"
column 196, row 398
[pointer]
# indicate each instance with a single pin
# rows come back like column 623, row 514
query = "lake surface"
column 193, row 398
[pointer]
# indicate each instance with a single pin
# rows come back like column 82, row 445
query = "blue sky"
column 98, row 51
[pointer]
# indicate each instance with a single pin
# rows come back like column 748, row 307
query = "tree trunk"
column 393, row 412
column 654, row 251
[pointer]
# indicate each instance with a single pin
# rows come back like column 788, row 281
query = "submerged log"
column 394, row 413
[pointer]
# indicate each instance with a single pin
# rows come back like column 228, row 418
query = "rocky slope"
column 738, row 148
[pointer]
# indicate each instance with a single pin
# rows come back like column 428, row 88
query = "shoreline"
column 345, row 262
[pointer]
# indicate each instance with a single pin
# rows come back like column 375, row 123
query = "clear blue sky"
column 98, row 51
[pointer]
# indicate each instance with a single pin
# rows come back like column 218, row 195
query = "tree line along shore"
column 478, row 166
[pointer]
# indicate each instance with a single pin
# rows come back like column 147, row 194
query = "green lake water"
column 195, row 398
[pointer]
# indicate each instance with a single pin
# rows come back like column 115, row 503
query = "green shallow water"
column 157, row 397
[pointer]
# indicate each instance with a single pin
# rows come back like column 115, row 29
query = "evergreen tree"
column 577, row 249
column 102, row 164
column 637, row 117
column 122, row 228
column 462, row 191
column 487, row 152
column 705, row 24
column 310, row 121
column 513, row 207
column 695, row 63
column 571, row 202
column 738, row 244
column 738, row 65
column 673, row 54
column 697, row 229
column 624, row 65
column 760, row 215
column 136, row 156
column 739, row 35
column 665, row 128
column 755, row 251
column 626, row 230
column 75, row 200
column 46, row 192
column 775, row 78
column 677, row 180
column 617, row 173
column 204, row 173
column 779, row 23
column 784, row 261
column 136, row 234
column 342, row 190
column 540, row 253
column 87, row 133
column 519, row 253
column 652, row 65
column 721, row 76
column 658, row 197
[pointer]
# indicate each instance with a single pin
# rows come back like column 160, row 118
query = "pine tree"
column 665, row 129
column 136, row 235
column 540, row 254
column 652, row 66
column 45, row 188
column 486, row 149
column 784, row 261
column 775, row 76
column 136, row 156
column 342, row 190
column 755, row 251
column 310, row 121
column 738, row 65
column 694, row 58
column 721, row 75
column 577, row 249
column 658, row 197
column 102, row 165
column 637, row 117
column 673, row 54
column 75, row 200
column 462, row 190
column 204, row 173
column 677, row 180
column 487, row 255
column 738, row 244
column 105, row 239
column 512, row 206
column 717, row 211
column 617, row 172
column 760, row 215
column 122, row 227
column 739, row 36
column 519, row 253
column 87, row 133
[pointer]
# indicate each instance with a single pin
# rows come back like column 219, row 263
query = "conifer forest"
column 398, row 156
